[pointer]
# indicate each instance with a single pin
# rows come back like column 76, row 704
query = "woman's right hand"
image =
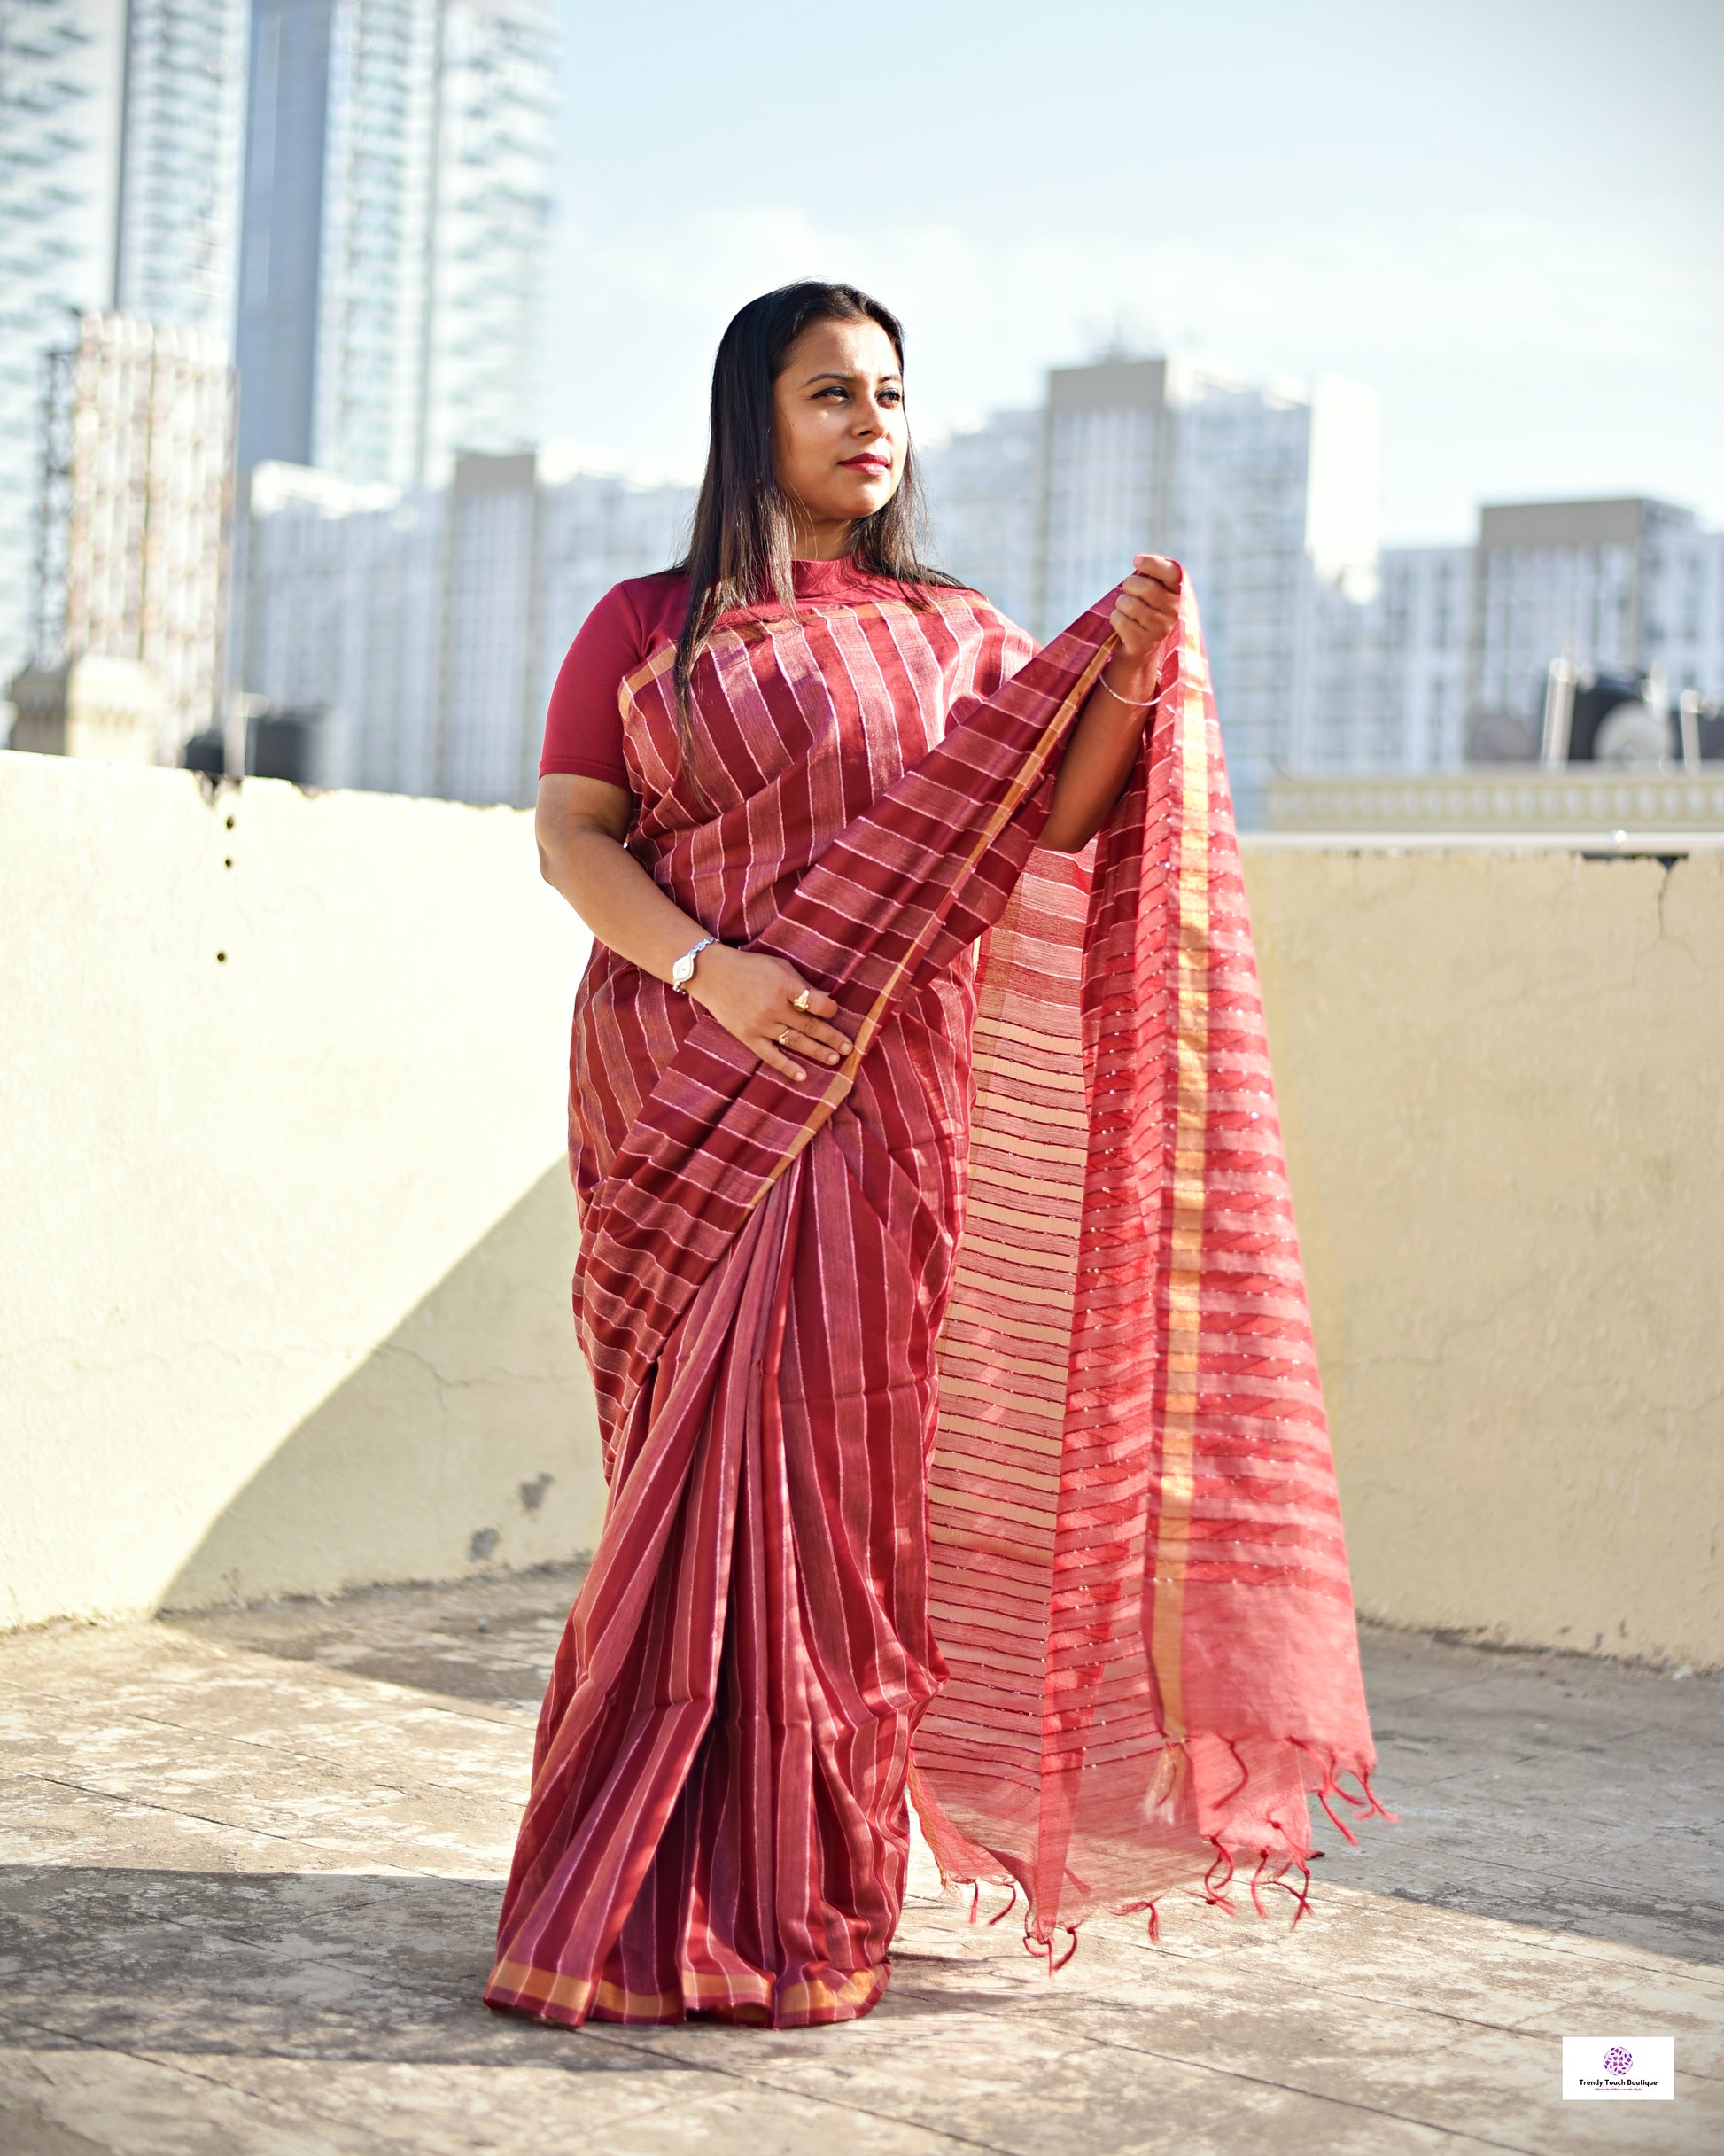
column 753, row 995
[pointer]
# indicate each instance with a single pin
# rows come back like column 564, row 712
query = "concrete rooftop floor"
column 250, row 1866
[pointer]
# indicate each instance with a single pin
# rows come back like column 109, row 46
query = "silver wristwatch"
column 683, row 971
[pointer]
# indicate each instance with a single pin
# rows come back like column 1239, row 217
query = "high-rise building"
column 1267, row 494
column 395, row 207
column 1451, row 663
column 488, row 231
column 1390, row 671
column 427, row 625
column 1683, row 609
column 182, row 119
column 120, row 129
column 60, row 63
column 331, row 326
column 136, row 513
column 1328, row 655
column 1575, row 581
column 984, row 489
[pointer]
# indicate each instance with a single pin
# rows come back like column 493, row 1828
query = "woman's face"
column 838, row 425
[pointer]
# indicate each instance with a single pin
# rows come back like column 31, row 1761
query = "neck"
column 821, row 539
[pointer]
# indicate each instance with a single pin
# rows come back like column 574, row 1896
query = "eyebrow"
column 857, row 374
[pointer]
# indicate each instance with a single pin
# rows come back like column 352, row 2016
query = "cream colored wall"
column 287, row 1233
column 1502, row 1081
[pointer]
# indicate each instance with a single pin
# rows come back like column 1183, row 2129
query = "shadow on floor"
column 294, row 1965
column 326, row 1966
column 489, row 1640
column 1561, row 1791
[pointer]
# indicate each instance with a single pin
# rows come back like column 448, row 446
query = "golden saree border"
column 521, row 1986
column 1169, row 1559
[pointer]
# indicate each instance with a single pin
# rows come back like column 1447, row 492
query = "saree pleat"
column 994, row 1338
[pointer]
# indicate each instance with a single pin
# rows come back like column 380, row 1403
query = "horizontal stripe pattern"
column 1152, row 1664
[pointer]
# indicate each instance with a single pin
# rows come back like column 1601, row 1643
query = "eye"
column 891, row 396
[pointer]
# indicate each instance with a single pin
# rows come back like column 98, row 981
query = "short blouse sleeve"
column 584, row 723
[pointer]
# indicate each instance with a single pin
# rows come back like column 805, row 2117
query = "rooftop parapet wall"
column 1502, row 1083
column 1586, row 807
column 284, row 1277
column 284, row 1291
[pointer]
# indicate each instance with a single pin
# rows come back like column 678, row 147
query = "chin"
column 864, row 500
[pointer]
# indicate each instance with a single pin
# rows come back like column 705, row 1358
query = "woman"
column 1055, row 1505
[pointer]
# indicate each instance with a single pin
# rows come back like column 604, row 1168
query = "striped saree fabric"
column 960, row 1406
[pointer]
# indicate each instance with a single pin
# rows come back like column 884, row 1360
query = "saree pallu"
column 960, row 1406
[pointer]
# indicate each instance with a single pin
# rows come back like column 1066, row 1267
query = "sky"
column 1508, row 219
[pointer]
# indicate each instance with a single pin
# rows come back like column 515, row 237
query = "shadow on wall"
column 466, row 1441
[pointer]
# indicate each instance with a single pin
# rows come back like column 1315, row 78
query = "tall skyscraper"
column 136, row 512
column 182, row 122
column 60, row 64
column 1390, row 671
column 1267, row 494
column 983, row 487
column 331, row 321
column 490, row 225
column 120, row 131
column 395, row 205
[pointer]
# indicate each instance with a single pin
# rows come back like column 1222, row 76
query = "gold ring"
column 784, row 1037
column 800, row 1002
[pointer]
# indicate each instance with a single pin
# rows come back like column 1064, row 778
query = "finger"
column 775, row 1059
column 799, row 1043
column 1156, row 597
column 1155, row 622
column 822, row 1036
column 1151, row 610
column 1159, row 566
column 819, row 1005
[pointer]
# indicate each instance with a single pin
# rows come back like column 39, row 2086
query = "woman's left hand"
column 1144, row 615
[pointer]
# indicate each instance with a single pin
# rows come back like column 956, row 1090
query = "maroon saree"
column 959, row 1407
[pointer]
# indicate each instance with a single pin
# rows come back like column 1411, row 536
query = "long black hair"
column 740, row 548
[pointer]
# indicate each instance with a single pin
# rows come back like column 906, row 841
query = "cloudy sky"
column 1506, row 215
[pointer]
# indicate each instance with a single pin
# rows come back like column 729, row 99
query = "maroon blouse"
column 644, row 614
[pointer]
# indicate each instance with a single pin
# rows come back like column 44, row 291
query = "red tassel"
column 1302, row 1896
column 1009, row 1907
column 1154, row 1927
column 1211, row 1892
column 1373, row 1803
column 1256, row 1898
column 975, row 1897
column 1335, row 1820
